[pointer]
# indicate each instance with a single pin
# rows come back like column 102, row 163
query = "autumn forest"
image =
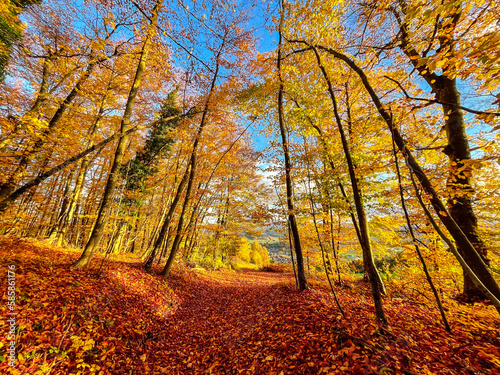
column 250, row 187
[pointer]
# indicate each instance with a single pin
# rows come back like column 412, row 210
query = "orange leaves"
column 228, row 322
column 348, row 350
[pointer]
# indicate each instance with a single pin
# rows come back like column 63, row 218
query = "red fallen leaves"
column 226, row 323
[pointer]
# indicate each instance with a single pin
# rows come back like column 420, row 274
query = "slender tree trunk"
column 45, row 212
column 44, row 85
column 113, row 178
column 161, row 229
column 166, row 223
column 192, row 166
column 415, row 243
column 368, row 261
column 178, row 235
column 119, row 237
column 289, row 236
column 63, row 210
column 193, row 222
column 92, row 204
column 332, row 238
column 74, row 199
column 491, row 297
column 320, row 241
column 80, row 179
column 329, row 160
column 288, row 170
column 131, row 243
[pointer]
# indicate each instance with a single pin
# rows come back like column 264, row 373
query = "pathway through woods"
column 224, row 322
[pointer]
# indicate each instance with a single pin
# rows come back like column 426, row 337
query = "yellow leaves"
column 487, row 117
column 432, row 65
column 9, row 12
column 442, row 213
column 34, row 125
column 79, row 343
column 437, row 62
column 422, row 62
column 269, row 358
column 319, row 20
column 21, row 358
column 45, row 368
column 441, row 63
column 110, row 20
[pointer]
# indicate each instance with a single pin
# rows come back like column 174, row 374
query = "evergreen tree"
column 158, row 143
column 137, row 170
column 10, row 29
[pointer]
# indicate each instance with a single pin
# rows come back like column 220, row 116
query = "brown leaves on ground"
column 129, row 322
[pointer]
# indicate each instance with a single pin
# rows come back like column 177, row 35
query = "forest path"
column 225, row 324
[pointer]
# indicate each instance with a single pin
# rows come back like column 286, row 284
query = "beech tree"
column 97, row 232
column 286, row 153
column 440, row 45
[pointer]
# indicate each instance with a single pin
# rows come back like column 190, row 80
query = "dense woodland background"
column 336, row 140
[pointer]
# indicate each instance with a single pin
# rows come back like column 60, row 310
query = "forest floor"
column 223, row 322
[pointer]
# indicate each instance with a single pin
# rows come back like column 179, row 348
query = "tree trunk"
column 166, row 223
column 458, row 183
column 288, row 168
column 329, row 160
column 192, row 165
column 415, row 243
column 178, row 235
column 80, row 179
column 63, row 210
column 308, row 189
column 375, row 279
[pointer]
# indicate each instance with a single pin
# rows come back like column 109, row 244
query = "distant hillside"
column 268, row 235
column 275, row 244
